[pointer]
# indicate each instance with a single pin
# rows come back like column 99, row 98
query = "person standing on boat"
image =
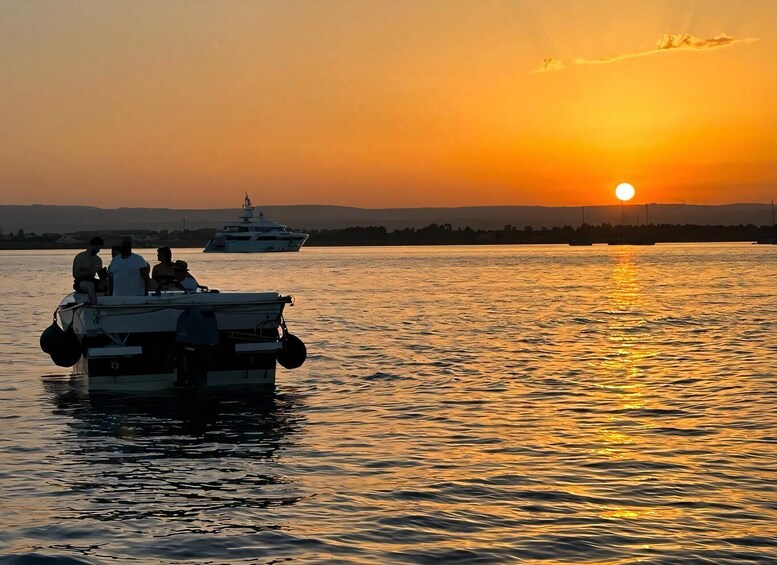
column 128, row 272
column 88, row 269
column 163, row 274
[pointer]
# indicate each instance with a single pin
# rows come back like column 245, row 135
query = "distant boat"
column 638, row 240
column 770, row 240
column 255, row 235
column 583, row 241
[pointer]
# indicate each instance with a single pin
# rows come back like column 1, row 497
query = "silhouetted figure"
column 129, row 273
column 183, row 278
column 88, row 269
column 163, row 274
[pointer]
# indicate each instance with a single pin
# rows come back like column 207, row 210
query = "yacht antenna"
column 247, row 203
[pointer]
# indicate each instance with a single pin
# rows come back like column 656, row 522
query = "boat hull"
column 176, row 340
column 254, row 246
column 160, row 382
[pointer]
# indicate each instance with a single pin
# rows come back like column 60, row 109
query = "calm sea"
column 459, row 404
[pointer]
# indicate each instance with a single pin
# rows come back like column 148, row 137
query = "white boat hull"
column 157, row 343
column 159, row 382
column 254, row 246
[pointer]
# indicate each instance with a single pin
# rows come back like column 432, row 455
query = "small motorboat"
column 174, row 339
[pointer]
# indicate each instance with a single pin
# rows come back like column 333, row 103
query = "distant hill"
column 64, row 219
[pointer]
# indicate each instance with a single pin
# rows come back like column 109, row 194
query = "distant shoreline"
column 66, row 219
column 432, row 234
column 471, row 243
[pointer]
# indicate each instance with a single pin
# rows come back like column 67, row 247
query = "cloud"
column 673, row 42
column 688, row 41
column 550, row 64
column 667, row 42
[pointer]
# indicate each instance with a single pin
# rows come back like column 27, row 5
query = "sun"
column 624, row 191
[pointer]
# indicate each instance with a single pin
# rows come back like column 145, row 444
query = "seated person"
column 162, row 275
column 183, row 279
column 88, row 269
column 105, row 283
column 129, row 273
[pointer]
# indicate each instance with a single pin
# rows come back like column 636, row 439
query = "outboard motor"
column 197, row 333
column 63, row 346
column 197, row 328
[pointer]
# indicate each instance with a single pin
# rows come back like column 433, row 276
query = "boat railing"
column 178, row 300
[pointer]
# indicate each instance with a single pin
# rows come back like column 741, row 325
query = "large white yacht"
column 254, row 235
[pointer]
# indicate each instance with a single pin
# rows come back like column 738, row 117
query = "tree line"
column 445, row 234
column 433, row 234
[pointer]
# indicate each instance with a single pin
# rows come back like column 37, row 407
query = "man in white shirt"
column 128, row 272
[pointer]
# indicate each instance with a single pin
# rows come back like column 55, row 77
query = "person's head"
column 126, row 248
column 115, row 250
column 95, row 244
column 164, row 255
column 180, row 270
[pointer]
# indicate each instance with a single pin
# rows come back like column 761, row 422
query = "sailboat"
column 638, row 240
column 770, row 240
column 584, row 240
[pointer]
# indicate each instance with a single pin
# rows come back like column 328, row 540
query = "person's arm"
column 110, row 280
column 144, row 275
column 154, row 282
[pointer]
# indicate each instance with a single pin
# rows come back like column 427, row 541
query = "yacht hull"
column 217, row 246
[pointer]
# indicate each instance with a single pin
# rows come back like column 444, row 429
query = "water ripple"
column 472, row 405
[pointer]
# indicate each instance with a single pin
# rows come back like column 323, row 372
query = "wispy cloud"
column 665, row 43
column 674, row 42
column 550, row 64
column 688, row 41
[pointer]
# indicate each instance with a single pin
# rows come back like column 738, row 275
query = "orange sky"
column 385, row 103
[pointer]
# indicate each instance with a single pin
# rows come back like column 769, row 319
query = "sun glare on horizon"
column 624, row 191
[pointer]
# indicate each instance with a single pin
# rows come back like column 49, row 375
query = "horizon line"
column 402, row 207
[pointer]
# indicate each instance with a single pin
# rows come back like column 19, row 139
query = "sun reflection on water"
column 520, row 404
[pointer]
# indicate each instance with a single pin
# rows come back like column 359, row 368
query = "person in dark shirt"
column 88, row 269
column 163, row 274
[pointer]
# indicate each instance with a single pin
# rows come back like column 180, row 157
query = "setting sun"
column 624, row 191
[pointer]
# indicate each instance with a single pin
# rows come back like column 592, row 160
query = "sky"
column 380, row 104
